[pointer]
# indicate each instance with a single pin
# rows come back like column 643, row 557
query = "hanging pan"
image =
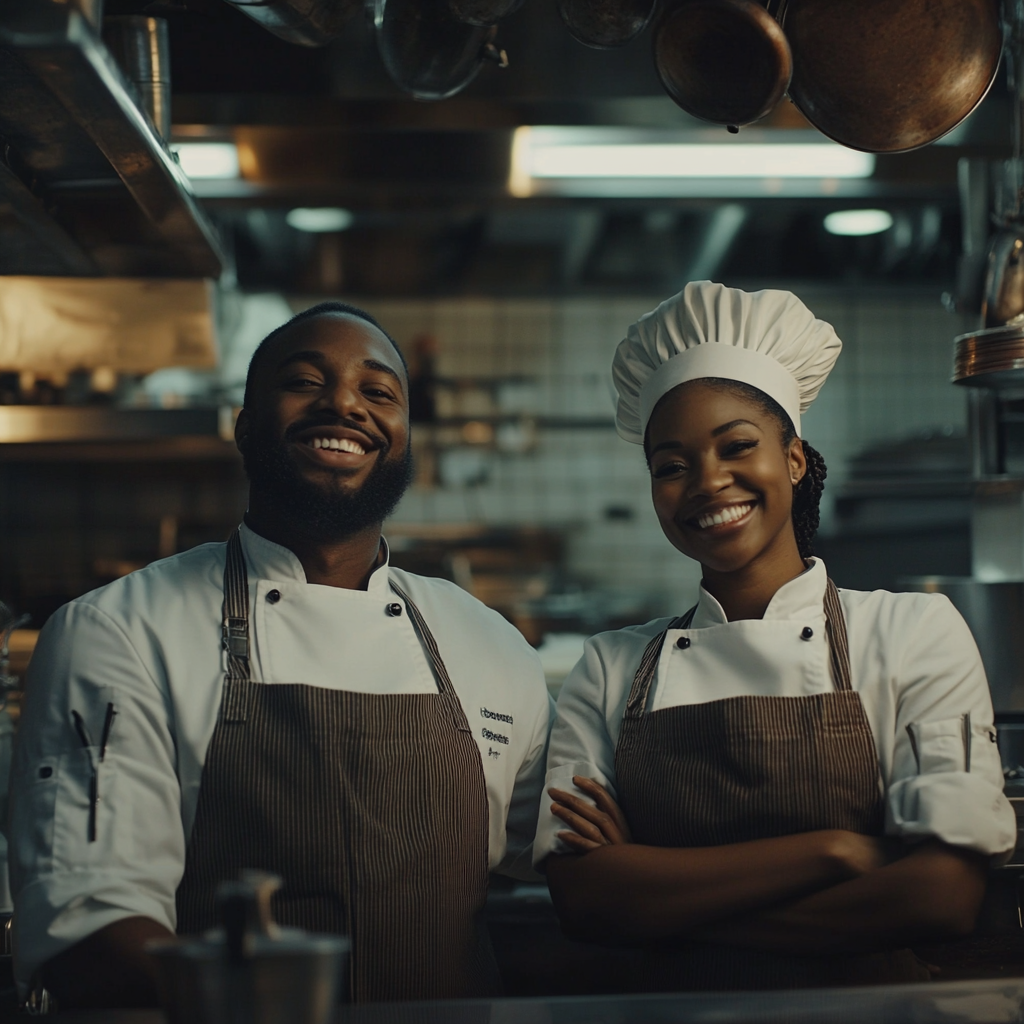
column 887, row 76
column 724, row 61
column 426, row 52
column 483, row 12
column 605, row 24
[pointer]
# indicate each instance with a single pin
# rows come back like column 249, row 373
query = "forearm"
column 933, row 893
column 632, row 893
column 108, row 968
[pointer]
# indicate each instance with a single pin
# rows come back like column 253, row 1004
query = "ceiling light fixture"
column 319, row 219
column 858, row 222
column 546, row 159
column 207, row 159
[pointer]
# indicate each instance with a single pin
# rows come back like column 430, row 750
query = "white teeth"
column 725, row 515
column 338, row 444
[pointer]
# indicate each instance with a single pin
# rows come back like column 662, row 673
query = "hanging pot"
column 605, row 24
column 483, row 12
column 724, row 61
column 887, row 76
column 426, row 51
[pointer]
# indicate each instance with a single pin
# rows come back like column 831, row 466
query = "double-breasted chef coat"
column 914, row 665
column 149, row 645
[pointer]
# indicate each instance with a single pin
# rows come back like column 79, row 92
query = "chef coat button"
column 683, row 642
column 273, row 596
column 807, row 632
column 394, row 608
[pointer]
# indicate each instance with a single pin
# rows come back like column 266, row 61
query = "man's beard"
column 325, row 513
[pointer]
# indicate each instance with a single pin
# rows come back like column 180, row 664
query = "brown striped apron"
column 371, row 807
column 744, row 768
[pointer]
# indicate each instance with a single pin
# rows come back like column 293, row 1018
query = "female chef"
column 789, row 784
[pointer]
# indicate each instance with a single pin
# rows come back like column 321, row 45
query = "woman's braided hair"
column 807, row 494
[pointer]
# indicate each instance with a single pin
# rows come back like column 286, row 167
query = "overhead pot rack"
column 884, row 76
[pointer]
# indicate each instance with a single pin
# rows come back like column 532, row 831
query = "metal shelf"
column 93, row 188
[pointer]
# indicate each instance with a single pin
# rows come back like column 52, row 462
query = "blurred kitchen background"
column 137, row 278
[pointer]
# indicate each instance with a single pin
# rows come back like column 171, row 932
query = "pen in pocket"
column 86, row 739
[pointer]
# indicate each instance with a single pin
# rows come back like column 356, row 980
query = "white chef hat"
column 768, row 339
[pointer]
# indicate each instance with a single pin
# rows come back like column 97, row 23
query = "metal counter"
column 965, row 1002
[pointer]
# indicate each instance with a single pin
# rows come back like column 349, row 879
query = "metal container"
column 990, row 358
column 141, row 47
column 995, row 614
column 251, row 971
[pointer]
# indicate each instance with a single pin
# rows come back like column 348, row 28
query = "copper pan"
column 724, row 61
column 888, row 76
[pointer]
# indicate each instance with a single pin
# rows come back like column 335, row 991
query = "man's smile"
column 336, row 446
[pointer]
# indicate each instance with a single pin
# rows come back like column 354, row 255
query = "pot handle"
column 246, row 912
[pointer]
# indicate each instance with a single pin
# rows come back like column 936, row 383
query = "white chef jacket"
column 914, row 664
column 150, row 643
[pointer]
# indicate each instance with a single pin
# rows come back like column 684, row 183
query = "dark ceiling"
column 426, row 181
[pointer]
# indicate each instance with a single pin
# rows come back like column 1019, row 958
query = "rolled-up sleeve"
column 85, row 854
column 947, row 779
column 580, row 744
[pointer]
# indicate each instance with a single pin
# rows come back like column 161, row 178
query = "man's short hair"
column 320, row 309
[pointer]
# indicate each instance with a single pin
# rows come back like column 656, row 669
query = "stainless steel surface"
column 989, row 1002
column 887, row 76
column 995, row 614
column 990, row 358
column 724, row 61
column 27, row 424
column 141, row 46
column 962, row 1002
column 305, row 22
column 76, row 139
column 997, row 531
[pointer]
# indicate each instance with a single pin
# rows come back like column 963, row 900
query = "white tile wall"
column 891, row 381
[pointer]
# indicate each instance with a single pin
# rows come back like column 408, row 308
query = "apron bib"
column 371, row 807
column 747, row 768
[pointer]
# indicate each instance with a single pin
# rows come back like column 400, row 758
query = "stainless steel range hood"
column 89, row 185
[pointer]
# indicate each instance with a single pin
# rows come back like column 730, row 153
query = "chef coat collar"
column 800, row 598
column 266, row 560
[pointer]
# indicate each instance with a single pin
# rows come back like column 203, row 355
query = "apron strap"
column 444, row 682
column 835, row 633
column 838, row 643
column 645, row 673
column 235, row 633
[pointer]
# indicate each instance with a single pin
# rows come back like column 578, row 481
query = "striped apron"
column 371, row 807
column 746, row 768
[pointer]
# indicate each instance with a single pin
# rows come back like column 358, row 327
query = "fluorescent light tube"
column 549, row 154
column 208, row 159
column 319, row 218
column 858, row 222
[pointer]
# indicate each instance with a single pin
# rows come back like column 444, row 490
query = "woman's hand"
column 593, row 826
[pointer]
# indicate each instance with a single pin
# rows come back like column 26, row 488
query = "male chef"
column 285, row 701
